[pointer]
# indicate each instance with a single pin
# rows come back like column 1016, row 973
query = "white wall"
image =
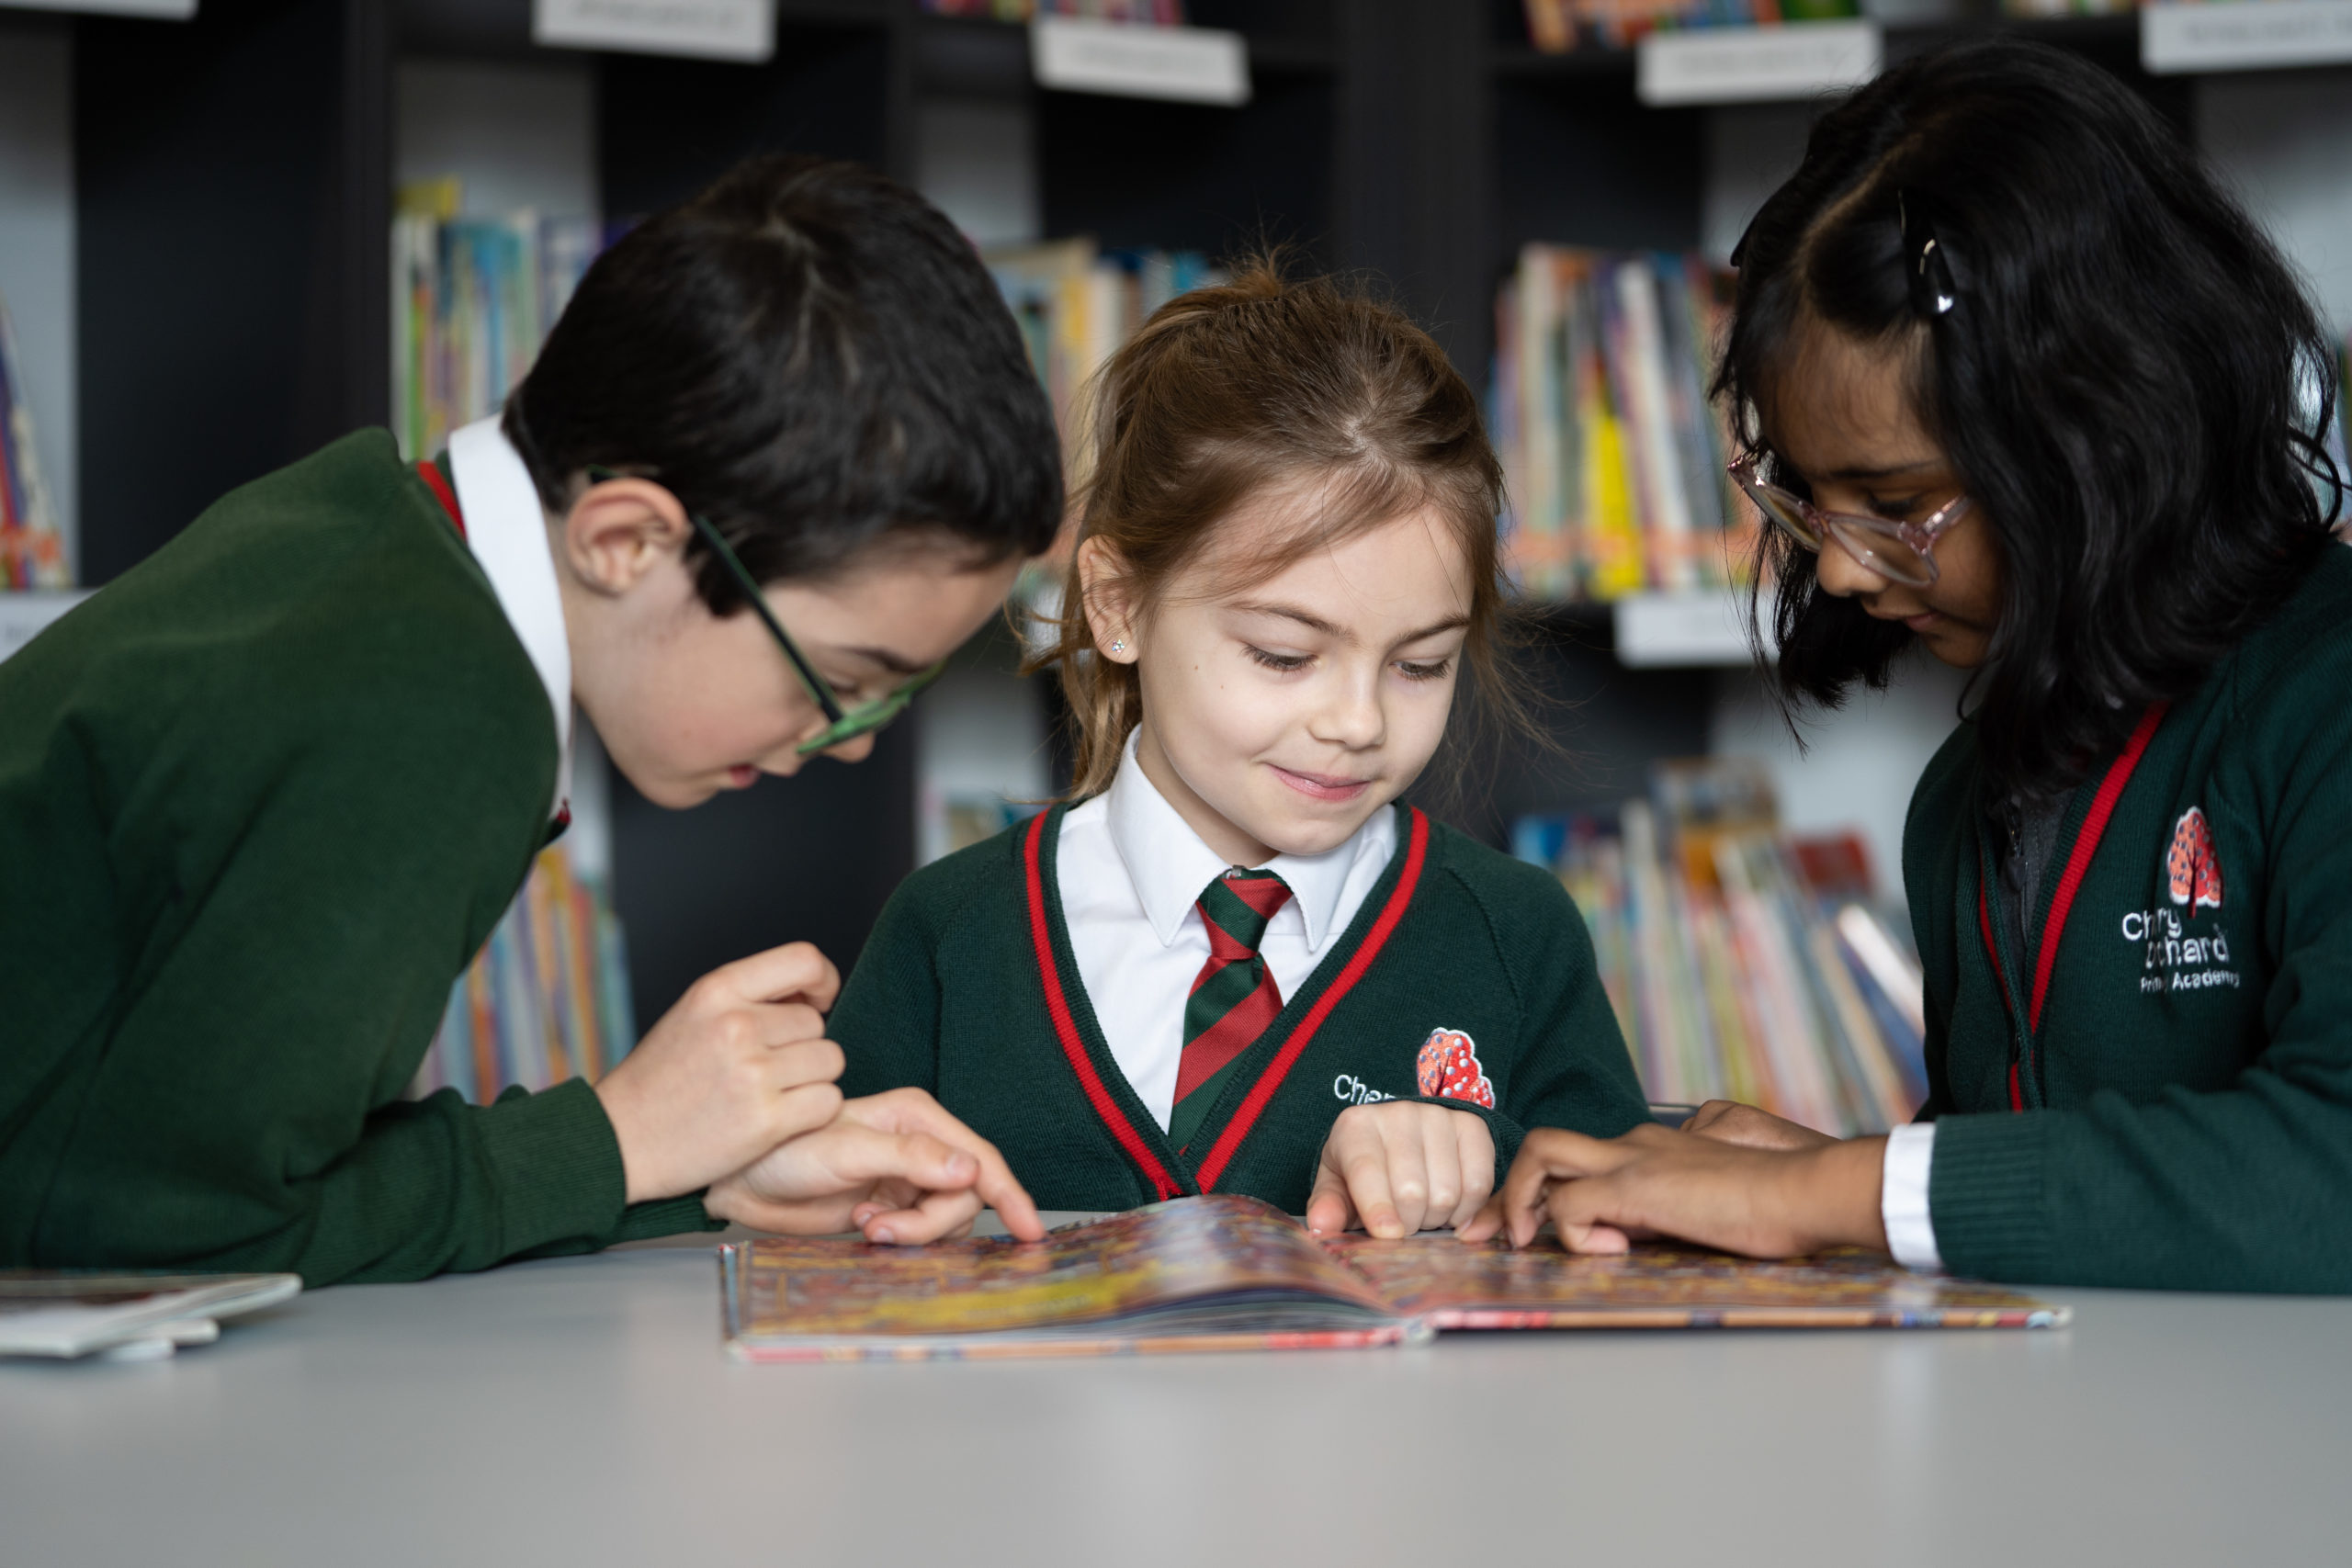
column 1860, row 763
column 36, row 247
column 2284, row 141
column 974, row 159
column 518, row 134
column 1751, row 147
column 981, row 733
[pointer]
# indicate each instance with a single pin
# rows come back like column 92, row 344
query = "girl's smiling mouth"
column 1320, row 786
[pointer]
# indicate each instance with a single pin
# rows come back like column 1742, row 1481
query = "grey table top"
column 579, row 1412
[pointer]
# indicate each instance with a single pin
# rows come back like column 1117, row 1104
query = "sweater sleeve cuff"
column 558, row 1166
column 664, row 1216
column 1985, row 1195
column 1903, row 1196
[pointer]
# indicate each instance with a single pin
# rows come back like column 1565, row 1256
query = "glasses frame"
column 1919, row 537
column 842, row 725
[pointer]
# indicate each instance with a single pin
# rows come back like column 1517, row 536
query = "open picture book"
column 1227, row 1273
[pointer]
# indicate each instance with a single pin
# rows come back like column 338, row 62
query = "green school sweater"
column 968, row 988
column 260, row 801
column 2154, row 1088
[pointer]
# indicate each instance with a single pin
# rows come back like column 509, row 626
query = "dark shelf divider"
column 232, row 185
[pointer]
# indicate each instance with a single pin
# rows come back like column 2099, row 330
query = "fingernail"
column 962, row 1167
column 881, row 1233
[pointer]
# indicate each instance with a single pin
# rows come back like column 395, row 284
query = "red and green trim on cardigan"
column 2044, row 943
column 1122, row 1128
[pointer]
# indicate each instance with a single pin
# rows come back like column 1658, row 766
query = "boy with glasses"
column 262, row 799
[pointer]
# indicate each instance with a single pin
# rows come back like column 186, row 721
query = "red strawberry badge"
column 2191, row 870
column 1447, row 1068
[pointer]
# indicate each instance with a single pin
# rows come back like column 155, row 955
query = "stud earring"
column 1118, row 646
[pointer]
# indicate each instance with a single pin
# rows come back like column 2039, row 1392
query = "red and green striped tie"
column 1233, row 997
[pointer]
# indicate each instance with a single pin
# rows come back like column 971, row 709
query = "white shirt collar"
column 508, row 531
column 1169, row 864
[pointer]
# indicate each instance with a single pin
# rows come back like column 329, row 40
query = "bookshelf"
column 218, row 303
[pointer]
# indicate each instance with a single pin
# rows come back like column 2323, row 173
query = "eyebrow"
column 1316, row 623
column 1891, row 471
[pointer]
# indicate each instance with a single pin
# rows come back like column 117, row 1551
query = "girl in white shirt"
column 1237, row 962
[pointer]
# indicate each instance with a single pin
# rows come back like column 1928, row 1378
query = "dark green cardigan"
column 260, row 801
column 968, row 988
column 2181, row 1045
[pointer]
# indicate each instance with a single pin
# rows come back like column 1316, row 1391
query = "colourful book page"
column 1489, row 1285
column 1223, row 1268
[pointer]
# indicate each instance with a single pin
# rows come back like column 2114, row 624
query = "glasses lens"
column 871, row 716
column 1783, row 509
column 1883, row 553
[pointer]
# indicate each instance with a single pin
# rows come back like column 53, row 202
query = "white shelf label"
column 1662, row 631
column 1746, row 65
column 2251, row 35
column 706, row 30
column 1198, row 65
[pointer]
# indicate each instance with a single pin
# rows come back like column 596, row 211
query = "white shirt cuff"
column 1903, row 1196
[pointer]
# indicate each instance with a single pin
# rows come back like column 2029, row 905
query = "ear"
column 619, row 532
column 1103, row 590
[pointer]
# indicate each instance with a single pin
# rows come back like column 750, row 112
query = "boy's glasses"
column 1901, row 552
column 841, row 724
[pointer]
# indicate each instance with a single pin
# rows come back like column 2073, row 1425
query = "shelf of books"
column 474, row 298
column 1613, row 453
column 1743, row 963
column 1075, row 303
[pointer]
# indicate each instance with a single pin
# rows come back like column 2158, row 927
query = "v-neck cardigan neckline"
column 2080, row 830
column 1262, row 1067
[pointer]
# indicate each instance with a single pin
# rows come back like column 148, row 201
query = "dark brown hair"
column 809, row 356
column 1262, row 383
column 2121, row 365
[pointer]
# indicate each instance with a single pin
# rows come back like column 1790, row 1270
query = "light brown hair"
column 1266, row 382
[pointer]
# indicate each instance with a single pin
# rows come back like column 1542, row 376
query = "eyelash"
column 1290, row 662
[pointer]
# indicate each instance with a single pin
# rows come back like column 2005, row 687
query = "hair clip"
column 1926, row 269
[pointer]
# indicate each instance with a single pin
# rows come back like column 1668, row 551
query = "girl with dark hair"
column 2017, row 382
column 263, row 797
column 1234, row 961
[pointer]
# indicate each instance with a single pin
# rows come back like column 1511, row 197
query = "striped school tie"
column 1233, row 997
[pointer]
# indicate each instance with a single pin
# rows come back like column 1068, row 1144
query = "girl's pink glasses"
column 1901, row 552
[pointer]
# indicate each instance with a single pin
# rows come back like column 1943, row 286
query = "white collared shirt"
column 1130, row 870
column 506, row 529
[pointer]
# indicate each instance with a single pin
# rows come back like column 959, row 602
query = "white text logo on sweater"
column 2179, row 956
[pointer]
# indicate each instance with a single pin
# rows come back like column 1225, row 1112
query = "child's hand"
column 1729, row 1121
column 1599, row 1192
column 737, row 1066
column 1401, row 1166
column 896, row 1166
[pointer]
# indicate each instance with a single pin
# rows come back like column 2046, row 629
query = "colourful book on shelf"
column 1224, row 1273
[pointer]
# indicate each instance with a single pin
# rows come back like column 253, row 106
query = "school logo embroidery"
column 2183, row 951
column 2192, row 871
column 1448, row 1068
